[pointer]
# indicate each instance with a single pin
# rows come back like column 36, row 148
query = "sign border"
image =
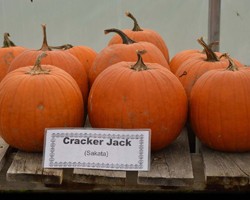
column 96, row 165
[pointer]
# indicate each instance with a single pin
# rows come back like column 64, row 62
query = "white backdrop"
column 82, row 22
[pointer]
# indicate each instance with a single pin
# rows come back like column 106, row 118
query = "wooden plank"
column 28, row 167
column 3, row 151
column 214, row 8
column 198, row 170
column 93, row 176
column 171, row 166
column 228, row 169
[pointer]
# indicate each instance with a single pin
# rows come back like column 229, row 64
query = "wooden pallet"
column 226, row 169
column 166, row 169
column 173, row 168
column 3, row 152
column 28, row 167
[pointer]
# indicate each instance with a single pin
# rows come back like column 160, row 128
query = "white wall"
column 82, row 22
column 235, row 29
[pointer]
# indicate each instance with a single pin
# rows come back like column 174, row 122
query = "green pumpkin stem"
column 139, row 65
column 7, row 42
column 136, row 25
column 45, row 46
column 62, row 47
column 211, row 56
column 37, row 69
column 125, row 38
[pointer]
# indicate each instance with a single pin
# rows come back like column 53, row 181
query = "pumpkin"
column 220, row 109
column 84, row 54
column 142, row 34
column 7, row 53
column 124, row 52
column 33, row 98
column 184, row 55
column 133, row 95
column 58, row 58
column 193, row 68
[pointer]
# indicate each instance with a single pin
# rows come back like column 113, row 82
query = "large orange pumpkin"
column 58, row 58
column 124, row 52
column 220, row 109
column 142, row 34
column 129, row 95
column 36, row 97
column 7, row 53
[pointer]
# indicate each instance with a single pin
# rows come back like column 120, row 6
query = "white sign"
column 111, row 149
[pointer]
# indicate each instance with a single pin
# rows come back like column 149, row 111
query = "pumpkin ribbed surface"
column 124, row 98
column 84, row 54
column 31, row 103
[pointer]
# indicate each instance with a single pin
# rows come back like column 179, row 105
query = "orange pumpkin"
column 7, row 53
column 58, row 58
column 184, row 55
column 180, row 57
column 142, row 34
column 129, row 95
column 220, row 109
column 124, row 52
column 193, row 68
column 84, row 54
column 36, row 97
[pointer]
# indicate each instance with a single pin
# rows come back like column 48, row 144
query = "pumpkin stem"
column 211, row 45
column 226, row 55
column 37, row 69
column 125, row 38
column 45, row 46
column 183, row 74
column 232, row 66
column 139, row 65
column 7, row 42
column 211, row 56
column 136, row 25
column 62, row 47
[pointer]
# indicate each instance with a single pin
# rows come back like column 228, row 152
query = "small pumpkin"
column 33, row 98
column 124, row 52
column 7, row 53
column 86, row 55
column 139, row 34
column 220, row 108
column 184, row 55
column 133, row 95
column 190, row 70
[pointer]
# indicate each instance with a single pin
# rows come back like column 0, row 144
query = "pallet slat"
column 3, row 150
column 28, row 167
column 171, row 166
column 229, row 169
column 94, row 176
